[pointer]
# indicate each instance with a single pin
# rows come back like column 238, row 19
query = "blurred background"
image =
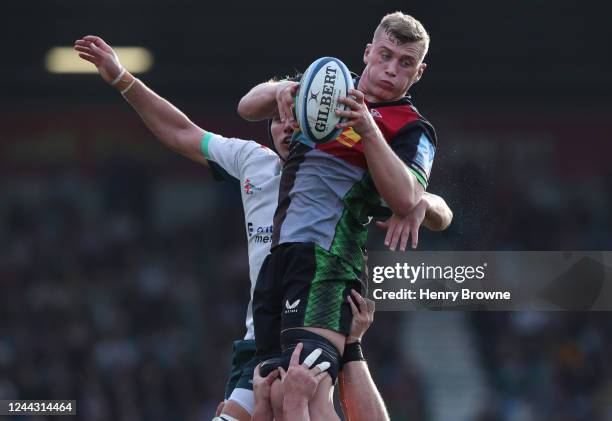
column 123, row 268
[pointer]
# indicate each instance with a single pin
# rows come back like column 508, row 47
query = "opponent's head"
column 281, row 133
column 394, row 58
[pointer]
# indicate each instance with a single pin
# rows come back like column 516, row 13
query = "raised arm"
column 267, row 99
column 163, row 119
column 359, row 396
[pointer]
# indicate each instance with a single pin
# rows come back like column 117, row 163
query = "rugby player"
column 360, row 398
column 243, row 160
column 327, row 192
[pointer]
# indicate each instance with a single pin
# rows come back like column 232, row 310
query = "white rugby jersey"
column 258, row 169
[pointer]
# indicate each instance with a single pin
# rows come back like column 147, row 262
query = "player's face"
column 391, row 68
column 281, row 135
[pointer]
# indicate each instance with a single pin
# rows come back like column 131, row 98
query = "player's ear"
column 366, row 53
column 422, row 68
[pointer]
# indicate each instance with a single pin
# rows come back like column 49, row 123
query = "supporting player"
column 360, row 398
column 243, row 160
column 386, row 149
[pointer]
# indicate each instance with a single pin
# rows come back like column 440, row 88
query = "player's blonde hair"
column 403, row 28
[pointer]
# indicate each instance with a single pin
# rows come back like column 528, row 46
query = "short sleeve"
column 416, row 148
column 229, row 155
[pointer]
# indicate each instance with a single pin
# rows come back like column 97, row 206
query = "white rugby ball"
column 325, row 80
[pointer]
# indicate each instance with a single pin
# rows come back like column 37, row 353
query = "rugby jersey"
column 258, row 170
column 327, row 193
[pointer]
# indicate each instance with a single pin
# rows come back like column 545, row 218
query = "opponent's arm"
column 432, row 212
column 358, row 394
column 267, row 99
column 394, row 181
column 163, row 119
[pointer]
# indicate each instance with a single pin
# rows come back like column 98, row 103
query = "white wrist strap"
column 118, row 78
column 127, row 88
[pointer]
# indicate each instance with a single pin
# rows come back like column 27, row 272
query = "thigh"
column 315, row 286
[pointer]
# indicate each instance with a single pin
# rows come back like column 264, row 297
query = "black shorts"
column 302, row 285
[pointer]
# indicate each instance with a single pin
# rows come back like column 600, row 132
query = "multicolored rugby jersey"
column 327, row 193
column 258, row 170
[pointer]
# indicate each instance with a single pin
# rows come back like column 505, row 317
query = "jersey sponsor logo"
column 375, row 113
column 291, row 307
column 262, row 234
column 249, row 187
column 349, row 137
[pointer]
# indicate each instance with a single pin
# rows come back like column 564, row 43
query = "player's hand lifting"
column 300, row 381
column 96, row 51
column 262, row 386
column 400, row 229
column 363, row 316
column 358, row 116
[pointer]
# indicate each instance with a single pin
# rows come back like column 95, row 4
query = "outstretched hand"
column 400, row 229
column 96, row 51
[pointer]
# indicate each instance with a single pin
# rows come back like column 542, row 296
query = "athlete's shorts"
column 239, row 386
column 302, row 285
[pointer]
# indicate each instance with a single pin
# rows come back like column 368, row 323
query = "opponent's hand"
column 285, row 98
column 219, row 408
column 262, row 386
column 358, row 116
column 300, row 381
column 96, row 51
column 363, row 316
column 400, row 229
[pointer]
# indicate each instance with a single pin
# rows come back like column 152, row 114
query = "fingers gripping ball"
column 324, row 82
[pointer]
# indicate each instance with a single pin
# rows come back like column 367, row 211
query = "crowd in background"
column 134, row 318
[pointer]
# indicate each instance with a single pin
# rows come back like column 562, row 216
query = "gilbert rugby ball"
column 325, row 80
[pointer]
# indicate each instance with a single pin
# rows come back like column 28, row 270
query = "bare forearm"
column 360, row 397
column 259, row 103
column 397, row 186
column 165, row 121
column 438, row 215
